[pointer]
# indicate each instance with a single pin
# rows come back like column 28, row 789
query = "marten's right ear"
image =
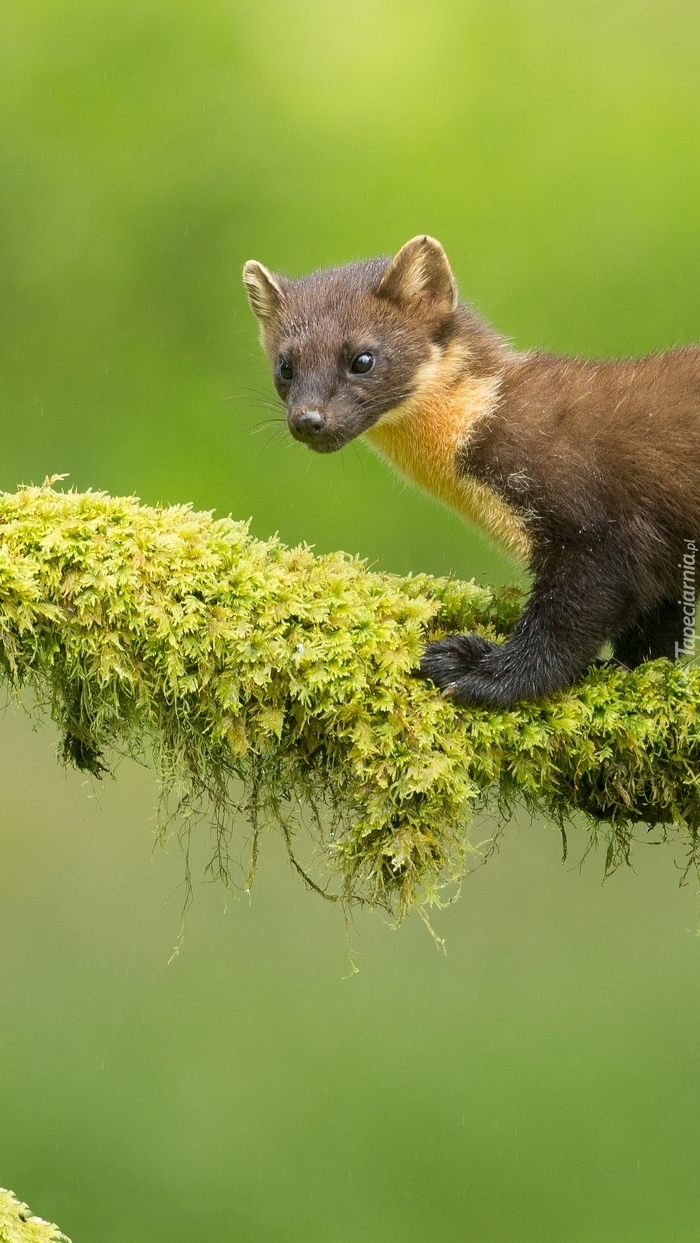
column 420, row 273
column 264, row 293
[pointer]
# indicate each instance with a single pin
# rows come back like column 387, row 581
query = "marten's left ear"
column 264, row 292
column 420, row 272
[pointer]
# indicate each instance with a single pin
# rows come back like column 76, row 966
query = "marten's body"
column 588, row 471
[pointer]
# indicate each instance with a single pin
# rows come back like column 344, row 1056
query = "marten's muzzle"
column 306, row 425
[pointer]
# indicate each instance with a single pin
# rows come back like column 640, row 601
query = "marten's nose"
column 305, row 424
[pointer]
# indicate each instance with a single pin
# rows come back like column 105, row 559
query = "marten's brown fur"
column 589, row 471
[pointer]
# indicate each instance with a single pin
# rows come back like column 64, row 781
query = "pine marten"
column 589, row 471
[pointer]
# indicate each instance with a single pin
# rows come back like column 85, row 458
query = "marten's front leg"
column 575, row 605
column 657, row 632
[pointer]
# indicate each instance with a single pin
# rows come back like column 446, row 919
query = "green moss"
column 18, row 1226
column 262, row 678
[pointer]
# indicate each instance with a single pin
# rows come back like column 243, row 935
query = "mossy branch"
column 17, row 1225
column 237, row 665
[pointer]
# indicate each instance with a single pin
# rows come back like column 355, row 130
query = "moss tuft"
column 264, row 679
column 18, row 1226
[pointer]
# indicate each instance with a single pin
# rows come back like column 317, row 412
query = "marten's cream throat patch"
column 424, row 435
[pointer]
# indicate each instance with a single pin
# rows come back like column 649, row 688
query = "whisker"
column 370, row 406
column 265, row 425
column 246, row 391
column 275, row 440
column 359, row 457
column 252, row 388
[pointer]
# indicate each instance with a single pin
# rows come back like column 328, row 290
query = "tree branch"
column 165, row 633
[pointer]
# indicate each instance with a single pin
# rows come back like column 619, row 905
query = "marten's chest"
column 423, row 440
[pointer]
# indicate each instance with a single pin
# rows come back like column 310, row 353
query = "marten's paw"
column 459, row 666
column 447, row 660
column 466, row 668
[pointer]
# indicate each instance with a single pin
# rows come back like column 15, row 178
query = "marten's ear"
column 264, row 293
column 420, row 272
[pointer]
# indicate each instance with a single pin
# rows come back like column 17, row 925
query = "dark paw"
column 470, row 670
column 446, row 661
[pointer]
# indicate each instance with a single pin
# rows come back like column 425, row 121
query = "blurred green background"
column 541, row 1081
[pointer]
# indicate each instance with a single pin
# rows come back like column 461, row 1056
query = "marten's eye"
column 285, row 370
column 363, row 363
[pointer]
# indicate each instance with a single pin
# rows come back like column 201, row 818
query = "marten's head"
column 347, row 345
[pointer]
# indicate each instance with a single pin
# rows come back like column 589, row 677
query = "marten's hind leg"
column 656, row 633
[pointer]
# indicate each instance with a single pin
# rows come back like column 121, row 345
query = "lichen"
column 265, row 680
column 17, row 1225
